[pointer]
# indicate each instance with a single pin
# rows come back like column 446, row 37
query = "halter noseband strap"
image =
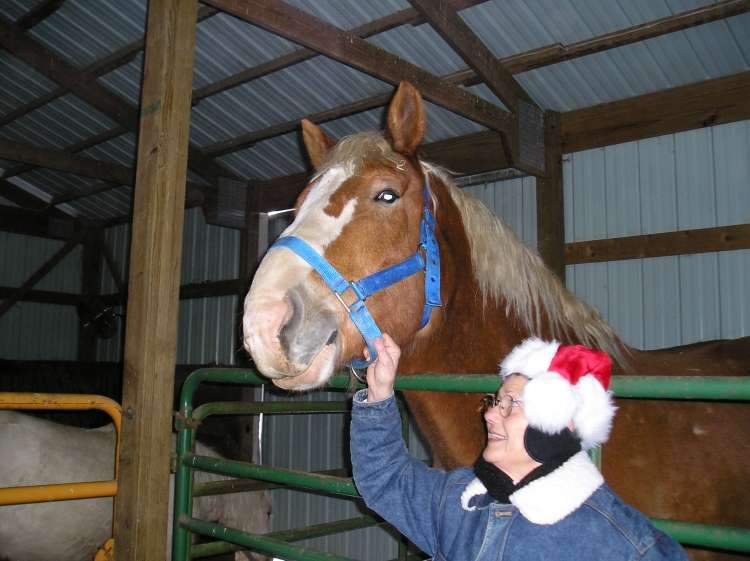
column 426, row 258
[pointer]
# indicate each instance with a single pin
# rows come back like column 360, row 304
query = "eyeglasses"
column 506, row 403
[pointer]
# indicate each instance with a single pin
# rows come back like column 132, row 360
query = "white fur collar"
column 551, row 498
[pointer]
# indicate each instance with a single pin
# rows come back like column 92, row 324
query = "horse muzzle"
column 293, row 339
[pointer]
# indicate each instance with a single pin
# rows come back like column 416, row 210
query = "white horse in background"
column 36, row 451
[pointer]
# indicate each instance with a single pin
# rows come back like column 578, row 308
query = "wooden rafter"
column 85, row 86
column 515, row 64
column 35, row 223
column 683, row 242
column 316, row 34
column 114, row 174
column 39, row 13
column 722, row 100
column 454, row 31
column 40, row 273
column 103, row 66
column 71, row 149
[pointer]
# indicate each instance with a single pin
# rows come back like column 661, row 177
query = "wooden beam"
column 39, row 13
column 151, row 332
column 550, row 216
column 70, row 149
column 39, row 274
column 515, row 64
column 113, row 174
column 316, row 34
column 102, row 66
column 684, row 242
column 472, row 50
column 556, row 53
column 84, row 85
column 32, row 223
column 42, row 296
column 713, row 102
column 62, row 161
column 209, row 289
column 403, row 17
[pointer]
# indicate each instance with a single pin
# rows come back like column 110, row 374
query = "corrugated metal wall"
column 32, row 331
column 695, row 179
column 206, row 325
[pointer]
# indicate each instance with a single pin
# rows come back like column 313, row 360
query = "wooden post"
column 155, row 259
column 91, row 263
column 550, row 216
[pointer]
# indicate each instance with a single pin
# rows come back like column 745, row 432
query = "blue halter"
column 426, row 258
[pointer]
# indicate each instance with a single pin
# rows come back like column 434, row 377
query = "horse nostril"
column 332, row 337
column 290, row 327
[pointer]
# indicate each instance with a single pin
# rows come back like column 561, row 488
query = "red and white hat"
column 566, row 383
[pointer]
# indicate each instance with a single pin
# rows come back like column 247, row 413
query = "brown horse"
column 361, row 211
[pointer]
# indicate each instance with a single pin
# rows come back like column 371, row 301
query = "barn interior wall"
column 206, row 325
column 694, row 179
column 31, row 330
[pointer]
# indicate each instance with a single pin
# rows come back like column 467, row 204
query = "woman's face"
column 505, row 447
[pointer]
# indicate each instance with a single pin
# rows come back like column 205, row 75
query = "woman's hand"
column 381, row 374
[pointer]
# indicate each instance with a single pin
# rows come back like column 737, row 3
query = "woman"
column 533, row 493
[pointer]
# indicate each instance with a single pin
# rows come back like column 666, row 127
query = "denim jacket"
column 569, row 514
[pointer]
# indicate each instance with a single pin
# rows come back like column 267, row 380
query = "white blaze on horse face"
column 312, row 223
column 267, row 309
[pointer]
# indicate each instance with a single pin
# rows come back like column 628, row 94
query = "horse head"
column 361, row 213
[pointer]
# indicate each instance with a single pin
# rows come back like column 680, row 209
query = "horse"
column 36, row 451
column 363, row 210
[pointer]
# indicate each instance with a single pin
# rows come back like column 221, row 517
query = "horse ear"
column 407, row 121
column 317, row 142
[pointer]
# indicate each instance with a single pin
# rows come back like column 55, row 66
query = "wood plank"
column 43, row 296
column 114, row 174
column 515, row 64
column 684, row 242
column 550, row 216
column 62, row 161
column 472, row 50
column 316, row 34
column 100, row 67
column 156, row 249
column 84, row 85
column 39, row 13
column 39, row 274
column 704, row 104
column 34, row 223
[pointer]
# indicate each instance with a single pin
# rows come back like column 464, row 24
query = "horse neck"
column 468, row 333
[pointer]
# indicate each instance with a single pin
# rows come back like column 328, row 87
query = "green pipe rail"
column 726, row 388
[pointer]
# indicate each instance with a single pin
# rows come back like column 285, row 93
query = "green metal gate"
column 278, row 544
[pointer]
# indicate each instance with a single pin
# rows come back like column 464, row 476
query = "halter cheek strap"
column 426, row 258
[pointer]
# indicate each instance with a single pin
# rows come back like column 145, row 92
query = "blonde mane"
column 351, row 152
column 506, row 269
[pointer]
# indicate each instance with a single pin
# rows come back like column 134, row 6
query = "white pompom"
column 596, row 409
column 549, row 402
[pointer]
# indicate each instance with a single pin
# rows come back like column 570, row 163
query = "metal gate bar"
column 308, row 532
column 61, row 491
column 655, row 387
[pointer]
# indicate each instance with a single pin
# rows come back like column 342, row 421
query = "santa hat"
column 566, row 383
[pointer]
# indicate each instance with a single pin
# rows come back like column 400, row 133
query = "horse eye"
column 386, row 196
